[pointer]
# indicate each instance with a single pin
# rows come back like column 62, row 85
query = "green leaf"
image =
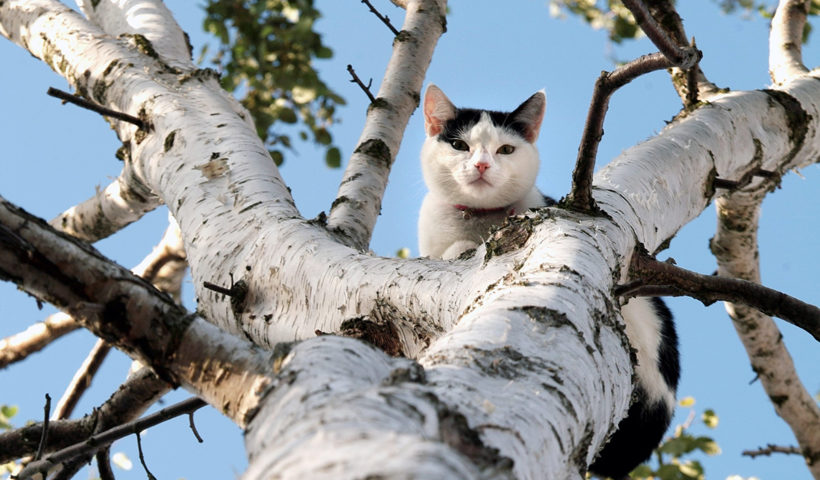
column 641, row 471
column 278, row 157
column 324, row 52
column 707, row 446
column 322, row 136
column 333, row 157
column 710, row 418
column 265, row 55
column 9, row 411
column 679, row 446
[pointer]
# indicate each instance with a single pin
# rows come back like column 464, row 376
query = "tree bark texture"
column 517, row 362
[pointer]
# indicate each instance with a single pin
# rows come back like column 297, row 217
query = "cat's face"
column 479, row 158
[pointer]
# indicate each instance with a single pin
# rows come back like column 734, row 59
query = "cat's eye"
column 505, row 149
column 460, row 145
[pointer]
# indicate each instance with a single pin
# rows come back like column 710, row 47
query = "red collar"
column 470, row 211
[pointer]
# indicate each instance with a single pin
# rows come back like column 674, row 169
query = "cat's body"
column 480, row 167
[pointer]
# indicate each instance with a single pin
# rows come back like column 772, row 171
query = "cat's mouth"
column 480, row 182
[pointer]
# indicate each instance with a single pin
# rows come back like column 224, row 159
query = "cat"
column 480, row 167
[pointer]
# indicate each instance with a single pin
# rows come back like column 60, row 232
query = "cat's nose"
column 482, row 167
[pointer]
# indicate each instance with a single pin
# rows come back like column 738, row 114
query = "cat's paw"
column 457, row 248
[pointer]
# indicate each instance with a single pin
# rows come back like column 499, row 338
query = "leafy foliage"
column 6, row 412
column 612, row 16
column 265, row 55
column 609, row 15
column 766, row 10
column 669, row 462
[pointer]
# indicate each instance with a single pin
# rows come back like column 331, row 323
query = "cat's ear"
column 438, row 109
column 530, row 114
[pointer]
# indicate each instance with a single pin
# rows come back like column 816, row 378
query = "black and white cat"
column 480, row 167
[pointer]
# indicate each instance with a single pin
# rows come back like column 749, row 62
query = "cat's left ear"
column 530, row 114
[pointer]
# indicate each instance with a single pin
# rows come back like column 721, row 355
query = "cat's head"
column 480, row 158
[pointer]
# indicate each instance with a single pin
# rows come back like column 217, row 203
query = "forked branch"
column 681, row 56
column 140, row 391
column 101, row 440
column 672, row 54
column 580, row 198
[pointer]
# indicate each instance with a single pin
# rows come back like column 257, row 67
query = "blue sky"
column 54, row 156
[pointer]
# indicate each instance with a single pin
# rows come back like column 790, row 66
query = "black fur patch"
column 466, row 118
column 668, row 356
column 637, row 436
column 642, row 430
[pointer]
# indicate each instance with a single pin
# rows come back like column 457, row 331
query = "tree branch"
column 129, row 313
column 107, row 112
column 688, row 83
column 381, row 17
column 684, row 57
column 36, row 337
column 149, row 18
column 358, row 81
column 81, row 381
column 139, row 391
column 98, row 441
column 770, row 449
column 786, row 40
column 124, row 201
column 580, row 197
column 709, row 289
column 736, row 250
column 358, row 202
column 44, row 433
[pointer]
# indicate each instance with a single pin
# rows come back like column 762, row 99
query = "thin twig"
column 357, row 81
column 103, row 439
column 218, row 289
column 54, row 92
column 193, row 427
column 746, row 179
column 44, row 435
column 142, row 457
column 770, row 449
column 667, row 279
column 381, row 17
column 580, row 198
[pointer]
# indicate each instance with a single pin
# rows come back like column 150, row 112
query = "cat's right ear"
column 438, row 109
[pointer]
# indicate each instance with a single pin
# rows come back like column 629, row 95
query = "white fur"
column 643, row 327
column 453, row 178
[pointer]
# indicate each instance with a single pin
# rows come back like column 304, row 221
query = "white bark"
column 786, row 40
column 150, row 18
column 358, row 203
column 735, row 247
column 523, row 342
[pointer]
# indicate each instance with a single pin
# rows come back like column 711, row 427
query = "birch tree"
column 510, row 362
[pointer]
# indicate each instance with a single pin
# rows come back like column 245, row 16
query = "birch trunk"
column 518, row 365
